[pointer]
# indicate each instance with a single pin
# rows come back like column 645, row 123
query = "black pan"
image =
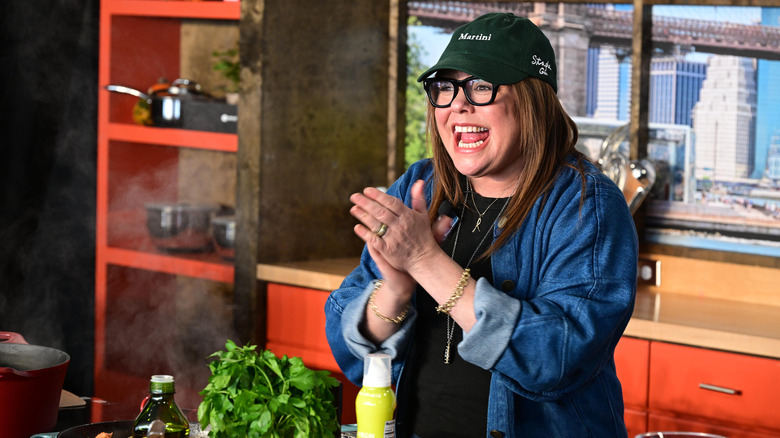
column 120, row 429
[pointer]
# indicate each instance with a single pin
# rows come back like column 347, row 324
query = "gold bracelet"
column 457, row 293
column 398, row 319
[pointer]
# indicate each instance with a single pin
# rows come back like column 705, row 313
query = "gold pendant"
column 447, row 353
column 476, row 227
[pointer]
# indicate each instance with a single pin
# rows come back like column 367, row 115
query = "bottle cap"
column 376, row 370
column 161, row 384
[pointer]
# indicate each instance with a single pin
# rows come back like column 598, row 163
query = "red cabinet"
column 632, row 360
column 715, row 387
column 295, row 321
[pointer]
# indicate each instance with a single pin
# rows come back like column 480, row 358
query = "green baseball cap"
column 500, row 48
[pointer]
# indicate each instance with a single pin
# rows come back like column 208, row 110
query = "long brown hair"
column 548, row 136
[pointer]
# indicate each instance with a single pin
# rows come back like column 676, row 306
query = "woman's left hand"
column 409, row 237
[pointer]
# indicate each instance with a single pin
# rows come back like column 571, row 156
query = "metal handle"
column 721, row 389
column 128, row 90
column 228, row 118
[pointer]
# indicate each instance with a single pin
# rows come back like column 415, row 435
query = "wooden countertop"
column 704, row 322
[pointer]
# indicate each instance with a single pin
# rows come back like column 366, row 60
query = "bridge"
column 610, row 27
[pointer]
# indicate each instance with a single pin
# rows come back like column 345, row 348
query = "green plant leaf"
column 257, row 394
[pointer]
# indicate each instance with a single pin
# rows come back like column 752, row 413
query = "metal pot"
column 165, row 104
column 31, row 379
column 224, row 229
column 180, row 227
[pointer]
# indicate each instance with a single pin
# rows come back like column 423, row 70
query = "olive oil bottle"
column 160, row 405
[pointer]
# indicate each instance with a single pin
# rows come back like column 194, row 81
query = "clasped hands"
column 398, row 238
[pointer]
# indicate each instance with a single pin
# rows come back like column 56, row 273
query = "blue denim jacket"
column 564, row 291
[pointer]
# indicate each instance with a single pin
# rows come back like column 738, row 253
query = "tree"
column 416, row 144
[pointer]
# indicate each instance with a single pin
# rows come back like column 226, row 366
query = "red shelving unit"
column 138, row 289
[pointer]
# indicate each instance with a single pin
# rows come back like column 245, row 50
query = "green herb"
column 230, row 67
column 253, row 394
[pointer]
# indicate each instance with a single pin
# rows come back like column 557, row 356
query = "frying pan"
column 120, row 429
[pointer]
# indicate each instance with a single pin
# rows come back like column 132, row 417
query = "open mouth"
column 470, row 137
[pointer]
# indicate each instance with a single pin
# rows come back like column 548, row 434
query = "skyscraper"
column 724, row 120
column 674, row 89
column 767, row 108
column 613, row 92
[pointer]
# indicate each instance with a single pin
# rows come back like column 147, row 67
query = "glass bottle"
column 160, row 405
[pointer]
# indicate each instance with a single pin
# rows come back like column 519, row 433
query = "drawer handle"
column 719, row 389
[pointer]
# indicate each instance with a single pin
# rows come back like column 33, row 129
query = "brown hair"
column 548, row 136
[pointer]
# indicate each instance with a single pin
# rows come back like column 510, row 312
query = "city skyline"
column 736, row 190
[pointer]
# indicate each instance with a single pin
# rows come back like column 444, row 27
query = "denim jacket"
column 564, row 291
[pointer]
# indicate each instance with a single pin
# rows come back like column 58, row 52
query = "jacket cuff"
column 353, row 318
column 496, row 314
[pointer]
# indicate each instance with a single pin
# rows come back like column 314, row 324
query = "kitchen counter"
column 702, row 322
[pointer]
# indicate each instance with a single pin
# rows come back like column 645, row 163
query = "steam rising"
column 158, row 323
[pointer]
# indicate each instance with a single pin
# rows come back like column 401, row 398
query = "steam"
column 158, row 323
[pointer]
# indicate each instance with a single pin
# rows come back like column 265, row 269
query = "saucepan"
column 166, row 103
column 181, row 227
column 31, row 379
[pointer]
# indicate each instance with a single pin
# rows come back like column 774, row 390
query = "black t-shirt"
column 450, row 400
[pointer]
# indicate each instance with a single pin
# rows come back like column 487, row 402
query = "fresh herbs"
column 253, row 394
column 228, row 63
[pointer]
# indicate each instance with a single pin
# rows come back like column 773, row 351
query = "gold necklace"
column 479, row 219
column 450, row 323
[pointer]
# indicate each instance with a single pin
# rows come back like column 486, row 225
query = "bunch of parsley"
column 253, row 394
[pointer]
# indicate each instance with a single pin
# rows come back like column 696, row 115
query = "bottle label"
column 390, row 429
column 388, row 433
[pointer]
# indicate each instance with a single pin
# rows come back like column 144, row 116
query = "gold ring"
column 382, row 230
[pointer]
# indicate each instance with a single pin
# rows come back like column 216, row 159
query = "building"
column 674, row 89
column 767, row 110
column 773, row 158
column 613, row 88
column 724, row 120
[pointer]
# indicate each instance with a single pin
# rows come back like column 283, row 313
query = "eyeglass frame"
column 458, row 85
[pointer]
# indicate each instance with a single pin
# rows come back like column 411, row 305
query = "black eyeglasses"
column 441, row 92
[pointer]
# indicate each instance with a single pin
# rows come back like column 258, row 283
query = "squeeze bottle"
column 375, row 402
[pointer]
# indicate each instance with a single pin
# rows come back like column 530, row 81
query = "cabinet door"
column 662, row 423
column 295, row 326
column 632, row 360
column 725, row 387
column 636, row 421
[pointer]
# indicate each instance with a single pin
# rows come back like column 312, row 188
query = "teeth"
column 470, row 145
column 470, row 129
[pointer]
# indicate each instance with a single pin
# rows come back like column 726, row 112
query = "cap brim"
column 476, row 65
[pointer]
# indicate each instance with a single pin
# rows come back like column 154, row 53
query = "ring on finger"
column 382, row 230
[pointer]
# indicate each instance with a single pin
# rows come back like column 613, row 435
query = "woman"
column 502, row 321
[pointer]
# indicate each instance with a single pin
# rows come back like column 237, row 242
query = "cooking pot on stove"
column 166, row 103
column 31, row 379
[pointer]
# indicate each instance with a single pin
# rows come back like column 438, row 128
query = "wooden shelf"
column 215, row 141
column 213, row 10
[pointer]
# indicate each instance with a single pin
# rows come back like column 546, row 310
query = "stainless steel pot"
column 165, row 104
column 180, row 227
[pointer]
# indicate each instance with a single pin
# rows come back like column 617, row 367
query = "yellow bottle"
column 375, row 402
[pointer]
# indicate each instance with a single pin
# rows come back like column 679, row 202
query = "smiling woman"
column 500, row 320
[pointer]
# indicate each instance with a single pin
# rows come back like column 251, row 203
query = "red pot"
column 31, row 379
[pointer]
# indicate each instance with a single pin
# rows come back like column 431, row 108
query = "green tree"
column 416, row 144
